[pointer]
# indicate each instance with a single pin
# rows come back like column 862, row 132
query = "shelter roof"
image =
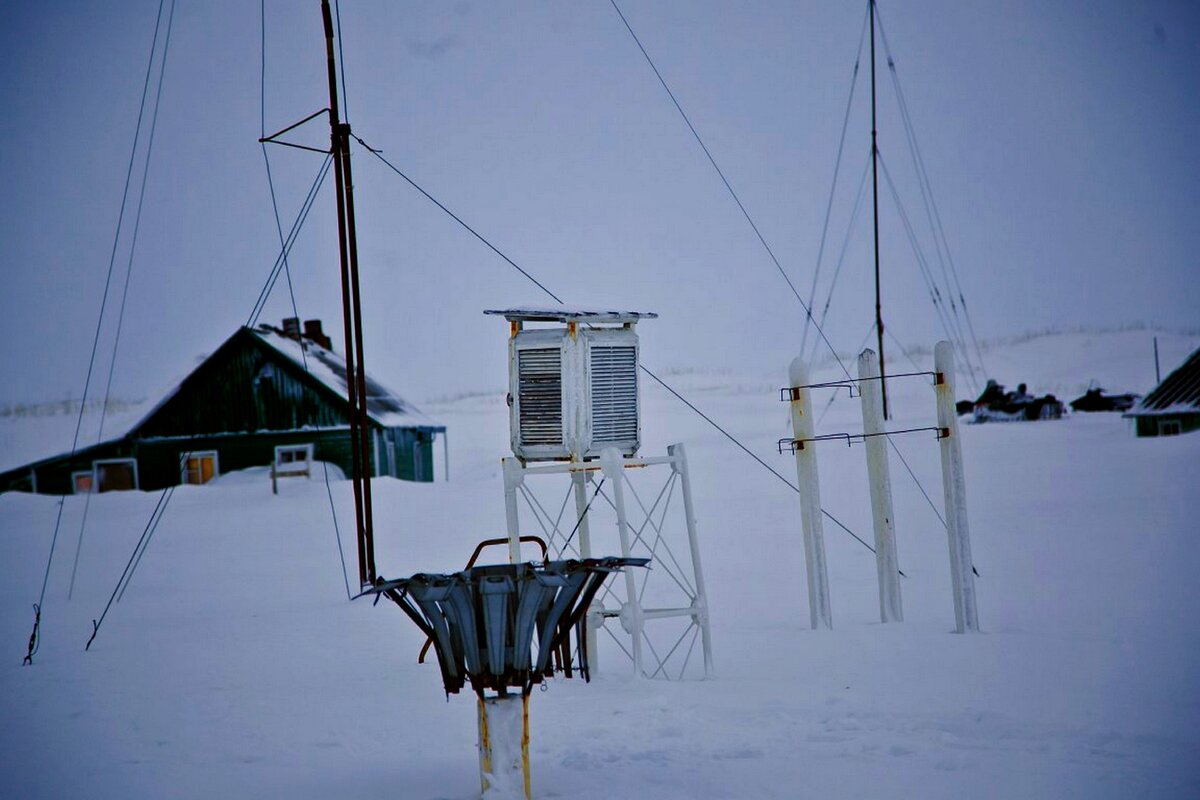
column 569, row 314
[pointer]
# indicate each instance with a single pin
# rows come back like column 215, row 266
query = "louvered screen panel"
column 614, row 394
column 539, row 384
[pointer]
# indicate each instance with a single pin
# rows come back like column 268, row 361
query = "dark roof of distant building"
column 329, row 368
column 1179, row 393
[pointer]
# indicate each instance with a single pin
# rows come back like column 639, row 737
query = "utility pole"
column 1157, row 371
column 875, row 199
column 356, row 383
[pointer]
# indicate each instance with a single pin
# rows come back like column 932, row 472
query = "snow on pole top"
column 568, row 314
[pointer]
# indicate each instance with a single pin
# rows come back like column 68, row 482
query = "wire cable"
column 287, row 268
column 337, row 14
column 837, row 164
column 920, row 159
column 643, row 368
column 858, row 197
column 955, row 338
column 164, row 499
column 137, row 224
column 379, row 154
column 297, row 225
column 34, row 637
column 729, row 187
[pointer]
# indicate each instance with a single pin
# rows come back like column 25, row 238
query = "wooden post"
column 820, row 614
column 954, row 486
column 878, row 475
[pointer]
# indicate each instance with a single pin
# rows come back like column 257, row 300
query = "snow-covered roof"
column 329, row 368
column 1179, row 393
column 569, row 314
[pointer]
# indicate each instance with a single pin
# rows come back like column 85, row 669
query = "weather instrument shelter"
column 573, row 385
column 575, row 413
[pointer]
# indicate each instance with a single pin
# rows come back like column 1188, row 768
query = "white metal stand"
column 954, row 486
column 595, row 618
column 879, row 477
column 644, row 534
column 820, row 613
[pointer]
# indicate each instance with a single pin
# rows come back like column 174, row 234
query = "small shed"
column 265, row 393
column 1174, row 405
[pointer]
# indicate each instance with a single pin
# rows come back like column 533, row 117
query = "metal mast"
column 356, row 383
column 875, row 199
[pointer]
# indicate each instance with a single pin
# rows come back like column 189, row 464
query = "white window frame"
column 183, row 459
column 137, row 484
column 1169, row 427
column 79, row 473
column 288, row 467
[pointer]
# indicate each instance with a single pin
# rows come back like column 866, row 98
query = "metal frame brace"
column 674, row 585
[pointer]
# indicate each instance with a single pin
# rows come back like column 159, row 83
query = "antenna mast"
column 356, row 382
column 875, row 198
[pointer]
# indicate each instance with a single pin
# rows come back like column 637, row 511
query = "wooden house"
column 266, row 395
column 1174, row 405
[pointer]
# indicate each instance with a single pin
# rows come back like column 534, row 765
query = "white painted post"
column 504, row 746
column 878, row 475
column 513, row 477
column 954, row 486
column 821, row 616
column 446, row 456
column 679, row 464
column 579, row 481
column 614, row 469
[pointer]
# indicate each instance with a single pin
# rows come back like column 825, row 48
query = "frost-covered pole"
column 878, row 475
column 819, row 610
column 513, row 476
column 446, row 456
column 631, row 615
column 966, row 614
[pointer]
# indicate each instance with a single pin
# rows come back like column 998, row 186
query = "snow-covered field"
column 235, row 667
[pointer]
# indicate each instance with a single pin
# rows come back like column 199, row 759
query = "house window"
column 114, row 475
column 1169, row 427
column 293, row 457
column 198, row 468
column 81, row 482
column 291, row 460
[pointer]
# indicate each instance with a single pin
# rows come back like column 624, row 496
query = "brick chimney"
column 291, row 328
column 313, row 332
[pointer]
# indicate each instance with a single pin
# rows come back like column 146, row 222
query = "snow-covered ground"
column 235, row 667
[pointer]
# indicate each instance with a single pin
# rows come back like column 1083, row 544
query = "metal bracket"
column 274, row 137
column 792, row 445
column 792, row 393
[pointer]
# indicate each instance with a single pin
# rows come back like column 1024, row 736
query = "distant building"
column 1174, row 405
column 250, row 398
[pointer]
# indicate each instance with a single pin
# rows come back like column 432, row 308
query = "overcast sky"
column 1059, row 138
